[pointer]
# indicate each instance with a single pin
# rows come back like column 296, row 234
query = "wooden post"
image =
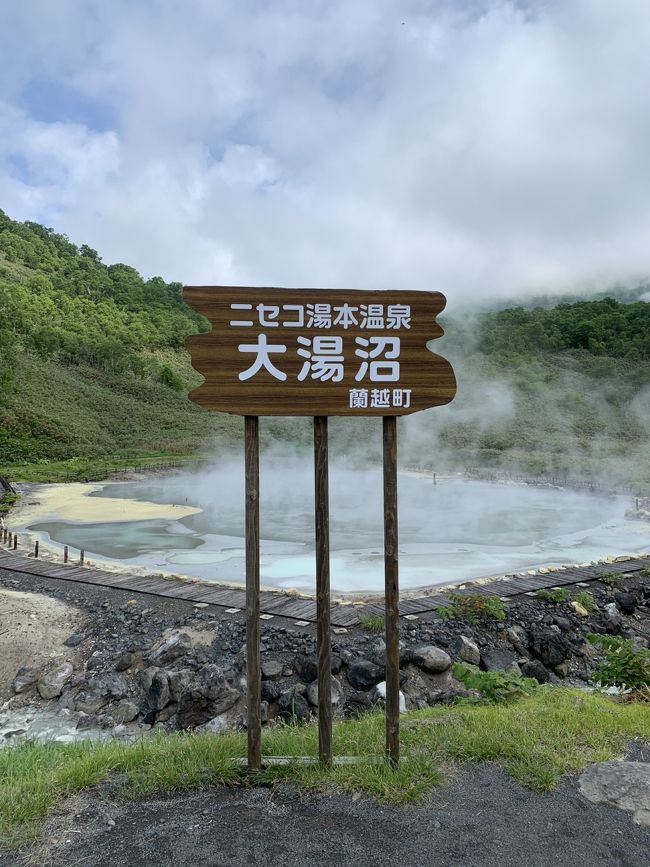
column 392, row 588
column 15, row 541
column 65, row 553
column 36, row 549
column 82, row 557
column 253, row 667
column 323, row 637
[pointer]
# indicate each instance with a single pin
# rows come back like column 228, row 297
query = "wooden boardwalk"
column 277, row 604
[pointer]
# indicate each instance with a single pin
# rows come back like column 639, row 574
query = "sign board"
column 318, row 352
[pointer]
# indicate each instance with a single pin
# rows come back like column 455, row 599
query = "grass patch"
column 611, row 579
column 372, row 622
column 556, row 596
column 474, row 607
column 536, row 740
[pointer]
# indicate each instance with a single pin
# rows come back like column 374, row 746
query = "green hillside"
column 93, row 373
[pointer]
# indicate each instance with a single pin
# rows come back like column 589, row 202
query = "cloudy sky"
column 485, row 149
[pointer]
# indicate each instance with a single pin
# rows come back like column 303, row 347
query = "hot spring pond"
column 449, row 532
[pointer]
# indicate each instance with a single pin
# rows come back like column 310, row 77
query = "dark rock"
column 208, row 695
column 306, row 666
column 111, row 684
column 498, row 659
column 293, row 706
column 74, row 640
column 90, row 701
column 270, row 691
column 625, row 601
column 125, row 661
column 24, row 679
column 534, row 668
column 178, row 681
column 363, row 674
column 549, row 646
column 271, row 669
column 159, row 694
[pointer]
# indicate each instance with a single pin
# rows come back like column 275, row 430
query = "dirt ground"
column 33, row 628
column 483, row 819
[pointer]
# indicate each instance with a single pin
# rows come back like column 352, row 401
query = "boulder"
column 74, row 640
column 550, row 647
column 293, row 706
column 159, row 694
column 51, row 683
column 25, row 678
column 497, row 659
column 271, row 669
column 208, row 695
column 124, row 711
column 431, row 659
column 621, row 784
column 534, row 668
column 125, row 661
column 613, row 617
column 466, row 649
column 306, row 665
column 178, row 681
column 270, row 691
column 112, row 684
column 363, row 674
column 176, row 645
column 336, row 693
column 625, row 601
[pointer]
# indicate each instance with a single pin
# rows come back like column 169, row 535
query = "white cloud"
column 492, row 150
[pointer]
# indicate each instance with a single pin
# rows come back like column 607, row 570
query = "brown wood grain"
column 253, row 662
column 391, row 567
column 323, row 629
column 216, row 354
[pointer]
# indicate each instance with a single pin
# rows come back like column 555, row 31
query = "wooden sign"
column 318, row 352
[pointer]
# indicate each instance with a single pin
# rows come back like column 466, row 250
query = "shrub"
column 587, row 601
column 498, row 687
column 610, row 578
column 474, row 607
column 624, row 665
column 556, row 596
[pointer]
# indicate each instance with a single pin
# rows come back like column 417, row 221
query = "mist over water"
column 451, row 531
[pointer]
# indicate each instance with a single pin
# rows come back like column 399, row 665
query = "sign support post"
column 391, row 568
column 253, row 667
column 323, row 633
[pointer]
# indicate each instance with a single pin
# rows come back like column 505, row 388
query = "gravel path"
column 483, row 819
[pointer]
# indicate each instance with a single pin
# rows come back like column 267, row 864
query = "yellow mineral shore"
column 72, row 502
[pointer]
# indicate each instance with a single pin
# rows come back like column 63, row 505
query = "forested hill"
column 92, row 365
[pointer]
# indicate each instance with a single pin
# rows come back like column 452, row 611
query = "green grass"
column 536, row 740
column 372, row 622
column 611, row 579
column 556, row 596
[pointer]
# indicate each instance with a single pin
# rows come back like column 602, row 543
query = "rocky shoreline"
column 136, row 664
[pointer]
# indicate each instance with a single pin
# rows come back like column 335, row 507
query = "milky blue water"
column 449, row 532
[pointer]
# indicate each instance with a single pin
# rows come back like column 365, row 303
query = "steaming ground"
column 192, row 524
